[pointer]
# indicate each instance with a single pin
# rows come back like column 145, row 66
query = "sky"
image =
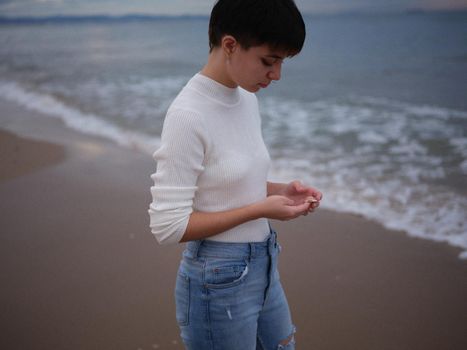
column 203, row 7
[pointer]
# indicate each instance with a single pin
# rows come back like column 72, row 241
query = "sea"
column 373, row 111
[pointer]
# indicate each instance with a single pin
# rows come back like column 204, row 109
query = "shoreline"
column 77, row 251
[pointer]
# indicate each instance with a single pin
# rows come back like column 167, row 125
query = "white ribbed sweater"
column 212, row 158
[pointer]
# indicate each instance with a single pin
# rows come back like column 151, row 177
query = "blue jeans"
column 229, row 297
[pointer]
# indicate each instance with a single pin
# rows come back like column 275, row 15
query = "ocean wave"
column 390, row 162
column 87, row 123
column 133, row 101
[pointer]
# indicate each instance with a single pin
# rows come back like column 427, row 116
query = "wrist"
column 255, row 211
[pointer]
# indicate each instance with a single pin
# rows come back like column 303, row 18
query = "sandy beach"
column 81, row 270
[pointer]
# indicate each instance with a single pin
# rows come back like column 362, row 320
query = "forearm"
column 274, row 188
column 202, row 225
column 276, row 206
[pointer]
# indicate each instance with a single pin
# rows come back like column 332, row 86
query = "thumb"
column 298, row 186
column 301, row 208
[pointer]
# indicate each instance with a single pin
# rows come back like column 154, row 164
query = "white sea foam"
column 460, row 145
column 75, row 119
column 129, row 101
column 372, row 157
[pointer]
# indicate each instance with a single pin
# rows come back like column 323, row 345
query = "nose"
column 275, row 73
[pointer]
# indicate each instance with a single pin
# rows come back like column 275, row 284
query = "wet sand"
column 80, row 269
column 20, row 156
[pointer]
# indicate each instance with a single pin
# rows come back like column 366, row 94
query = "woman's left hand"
column 299, row 193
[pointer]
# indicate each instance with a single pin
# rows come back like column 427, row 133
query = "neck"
column 216, row 69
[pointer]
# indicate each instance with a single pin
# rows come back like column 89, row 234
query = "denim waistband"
column 207, row 248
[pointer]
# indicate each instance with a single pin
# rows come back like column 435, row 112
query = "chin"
column 252, row 88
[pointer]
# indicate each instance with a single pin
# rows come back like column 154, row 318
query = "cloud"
column 334, row 6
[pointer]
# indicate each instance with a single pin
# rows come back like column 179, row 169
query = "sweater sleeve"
column 179, row 160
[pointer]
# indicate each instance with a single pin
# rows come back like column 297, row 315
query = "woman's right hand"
column 281, row 208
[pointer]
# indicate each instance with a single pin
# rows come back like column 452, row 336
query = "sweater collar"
column 215, row 90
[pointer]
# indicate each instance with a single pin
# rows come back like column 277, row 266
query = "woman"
column 211, row 189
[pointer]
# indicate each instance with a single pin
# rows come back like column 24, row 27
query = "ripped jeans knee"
column 289, row 342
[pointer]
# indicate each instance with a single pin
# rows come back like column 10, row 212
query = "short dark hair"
column 277, row 23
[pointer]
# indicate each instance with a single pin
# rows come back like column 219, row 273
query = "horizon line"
column 204, row 16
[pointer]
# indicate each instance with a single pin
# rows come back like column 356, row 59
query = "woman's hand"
column 281, row 208
column 300, row 194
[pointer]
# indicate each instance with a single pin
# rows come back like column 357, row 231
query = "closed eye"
column 267, row 63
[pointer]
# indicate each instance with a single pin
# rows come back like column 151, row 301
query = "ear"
column 229, row 44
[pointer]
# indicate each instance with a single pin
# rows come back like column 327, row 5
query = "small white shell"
column 311, row 200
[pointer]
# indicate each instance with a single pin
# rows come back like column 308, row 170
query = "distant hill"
column 93, row 18
column 142, row 18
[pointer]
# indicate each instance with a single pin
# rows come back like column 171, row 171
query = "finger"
column 299, row 209
column 302, row 208
column 295, row 184
column 298, row 186
column 315, row 193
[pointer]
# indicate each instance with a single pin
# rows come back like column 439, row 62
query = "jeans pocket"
column 225, row 273
column 182, row 299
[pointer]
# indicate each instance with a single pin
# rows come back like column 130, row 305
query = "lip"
column 263, row 85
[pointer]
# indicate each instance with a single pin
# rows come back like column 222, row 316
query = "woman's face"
column 256, row 67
